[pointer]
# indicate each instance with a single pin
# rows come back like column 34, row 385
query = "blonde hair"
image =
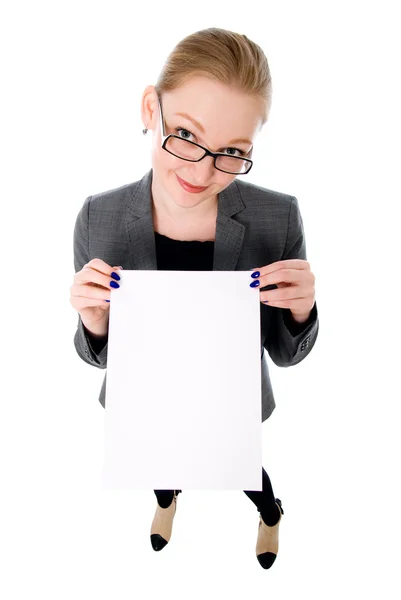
column 224, row 56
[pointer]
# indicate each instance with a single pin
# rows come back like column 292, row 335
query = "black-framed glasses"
column 192, row 152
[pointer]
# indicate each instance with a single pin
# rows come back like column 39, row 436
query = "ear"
column 149, row 107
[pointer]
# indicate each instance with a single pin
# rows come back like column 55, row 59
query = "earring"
column 144, row 131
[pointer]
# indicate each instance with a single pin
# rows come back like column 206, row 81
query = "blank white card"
column 183, row 387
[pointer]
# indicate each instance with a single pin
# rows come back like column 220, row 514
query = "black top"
column 177, row 255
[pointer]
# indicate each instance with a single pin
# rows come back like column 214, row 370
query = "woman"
column 190, row 213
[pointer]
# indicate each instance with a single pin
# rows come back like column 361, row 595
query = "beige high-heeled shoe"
column 162, row 525
column 267, row 542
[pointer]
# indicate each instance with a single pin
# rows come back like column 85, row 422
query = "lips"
column 189, row 186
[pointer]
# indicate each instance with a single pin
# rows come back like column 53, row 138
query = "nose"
column 202, row 171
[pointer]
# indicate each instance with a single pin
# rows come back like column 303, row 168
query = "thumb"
column 118, row 268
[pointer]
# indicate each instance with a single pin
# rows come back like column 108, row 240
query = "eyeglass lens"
column 185, row 149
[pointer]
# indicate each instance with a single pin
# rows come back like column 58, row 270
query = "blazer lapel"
column 139, row 226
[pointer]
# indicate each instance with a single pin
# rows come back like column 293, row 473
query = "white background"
column 72, row 78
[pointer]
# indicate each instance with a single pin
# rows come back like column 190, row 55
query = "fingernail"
column 254, row 284
column 255, row 274
column 107, row 300
column 114, row 284
column 115, row 276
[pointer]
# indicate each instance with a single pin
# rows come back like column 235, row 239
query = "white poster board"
column 183, row 388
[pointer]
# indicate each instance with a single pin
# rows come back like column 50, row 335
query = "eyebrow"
column 199, row 126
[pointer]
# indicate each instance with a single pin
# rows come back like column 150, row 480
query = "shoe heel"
column 278, row 502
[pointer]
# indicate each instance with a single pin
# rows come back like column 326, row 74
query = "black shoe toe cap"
column 266, row 559
column 158, row 542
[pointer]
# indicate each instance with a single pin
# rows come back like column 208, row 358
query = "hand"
column 89, row 291
column 296, row 287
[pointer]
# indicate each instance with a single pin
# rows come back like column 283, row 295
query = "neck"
column 165, row 207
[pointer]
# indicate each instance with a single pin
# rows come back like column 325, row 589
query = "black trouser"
column 264, row 500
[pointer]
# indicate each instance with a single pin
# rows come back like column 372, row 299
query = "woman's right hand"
column 89, row 291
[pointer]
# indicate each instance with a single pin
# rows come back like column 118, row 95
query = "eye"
column 241, row 152
column 178, row 129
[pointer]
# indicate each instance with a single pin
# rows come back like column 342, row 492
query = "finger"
column 92, row 277
column 90, row 290
column 97, row 264
column 294, row 263
column 291, row 304
column 289, row 276
column 288, row 294
column 80, row 302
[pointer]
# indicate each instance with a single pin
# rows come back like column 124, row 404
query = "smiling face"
column 211, row 114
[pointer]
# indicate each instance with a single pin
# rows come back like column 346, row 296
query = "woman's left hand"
column 296, row 286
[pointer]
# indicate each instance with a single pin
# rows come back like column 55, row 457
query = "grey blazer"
column 255, row 227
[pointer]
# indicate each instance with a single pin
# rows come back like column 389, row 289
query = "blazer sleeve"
column 289, row 342
column 91, row 350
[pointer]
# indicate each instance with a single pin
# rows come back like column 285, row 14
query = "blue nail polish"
column 114, row 284
column 115, row 276
column 107, row 300
column 254, row 284
column 255, row 274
